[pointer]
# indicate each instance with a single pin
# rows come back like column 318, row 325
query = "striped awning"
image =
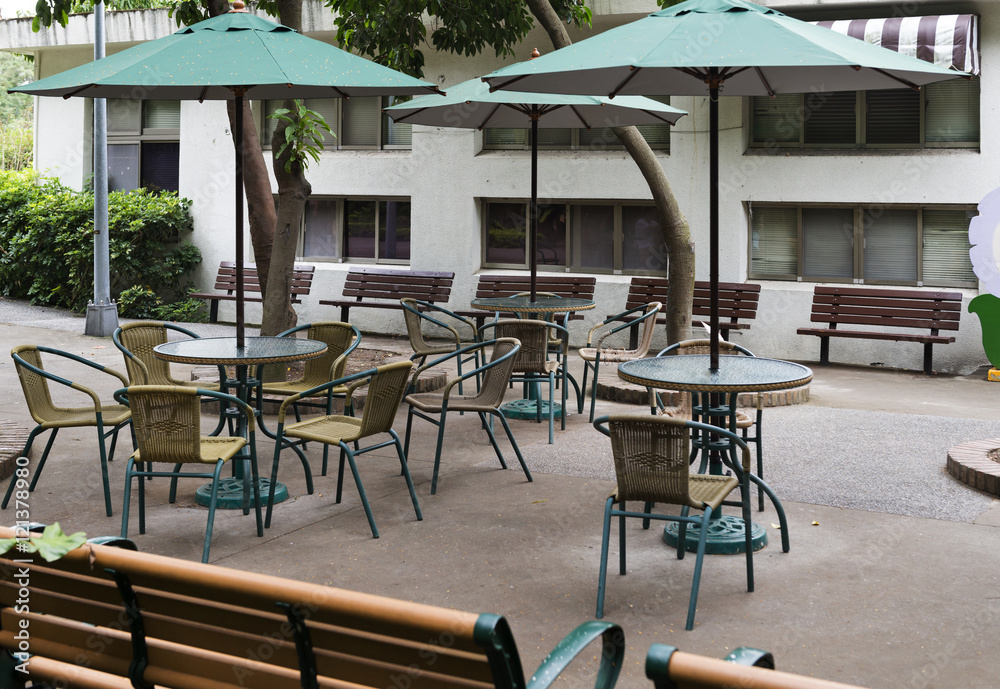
column 947, row 40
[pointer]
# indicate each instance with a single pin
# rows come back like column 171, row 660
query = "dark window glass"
column 320, row 240
column 643, row 247
column 394, row 230
column 594, row 237
column 505, row 233
column 550, row 242
column 893, row 117
column 160, row 165
column 123, row 167
column 359, row 229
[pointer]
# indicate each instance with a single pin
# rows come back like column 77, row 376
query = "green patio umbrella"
column 717, row 47
column 471, row 105
column 234, row 56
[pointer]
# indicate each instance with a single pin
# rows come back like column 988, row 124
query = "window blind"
column 890, row 245
column 124, row 116
column 892, row 117
column 777, row 119
column 946, row 248
column 774, row 242
column 831, row 120
column 360, row 126
column 951, row 111
column 162, row 114
column 827, row 243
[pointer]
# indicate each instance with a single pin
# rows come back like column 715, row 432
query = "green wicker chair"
column 167, row 422
column 386, row 385
column 416, row 316
column 136, row 342
column 101, row 415
column 651, row 466
column 495, row 376
column 341, row 339
column 594, row 353
column 532, row 365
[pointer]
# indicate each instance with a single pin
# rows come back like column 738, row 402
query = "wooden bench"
column 108, row 617
column 226, row 280
column 387, row 287
column 737, row 303
column 930, row 311
column 744, row 667
column 491, row 286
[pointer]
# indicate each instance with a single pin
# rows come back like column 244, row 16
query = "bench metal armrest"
column 576, row 641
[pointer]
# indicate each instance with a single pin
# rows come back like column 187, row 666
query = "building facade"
column 873, row 189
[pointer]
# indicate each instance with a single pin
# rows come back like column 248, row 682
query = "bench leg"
column 824, row 350
column 213, row 311
column 633, row 337
column 928, row 358
column 345, row 312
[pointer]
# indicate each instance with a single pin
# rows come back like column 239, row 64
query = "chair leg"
column 41, row 462
column 361, row 488
column 593, row 389
column 104, row 466
column 493, row 440
column 142, row 496
column 211, row 511
column 552, row 406
column 440, row 443
column 128, row 495
column 340, row 475
column 513, row 443
column 24, row 453
column 565, row 410
column 702, row 537
column 406, row 473
column 255, row 478
column 778, row 507
column 279, row 438
column 647, row 509
column 621, row 539
column 586, row 370
column 409, row 427
column 747, row 526
column 603, row 576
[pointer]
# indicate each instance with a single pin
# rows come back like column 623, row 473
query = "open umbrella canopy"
column 757, row 51
column 206, row 60
column 471, row 105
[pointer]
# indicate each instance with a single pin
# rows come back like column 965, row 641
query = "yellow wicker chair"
column 167, row 422
column 495, row 376
column 651, row 466
column 595, row 352
column 386, row 385
column 101, row 415
column 136, row 342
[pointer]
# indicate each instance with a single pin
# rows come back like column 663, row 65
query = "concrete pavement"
column 891, row 580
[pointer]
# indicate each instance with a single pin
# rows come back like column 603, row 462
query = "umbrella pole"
column 238, row 136
column 533, row 230
column 713, row 215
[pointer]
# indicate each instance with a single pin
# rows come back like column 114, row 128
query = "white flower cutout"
column 984, row 236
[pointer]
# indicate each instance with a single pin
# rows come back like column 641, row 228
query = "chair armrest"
column 577, row 640
column 628, row 324
column 233, row 401
column 68, row 383
column 458, row 379
column 440, row 309
column 326, row 386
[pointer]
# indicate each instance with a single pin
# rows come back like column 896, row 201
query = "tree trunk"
column 673, row 224
column 293, row 192
column 256, row 185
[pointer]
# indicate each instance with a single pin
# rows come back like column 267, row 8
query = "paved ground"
column 891, row 580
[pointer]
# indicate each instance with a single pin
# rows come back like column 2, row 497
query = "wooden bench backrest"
column 884, row 307
column 226, row 279
column 736, row 299
column 207, row 626
column 691, row 671
column 560, row 285
column 393, row 285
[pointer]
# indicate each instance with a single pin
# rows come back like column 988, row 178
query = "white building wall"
column 446, row 174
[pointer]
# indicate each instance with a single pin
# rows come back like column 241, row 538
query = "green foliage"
column 15, row 107
column 391, row 31
column 47, row 11
column 139, row 301
column 47, row 247
column 15, row 147
column 188, row 310
column 51, row 545
column 303, row 135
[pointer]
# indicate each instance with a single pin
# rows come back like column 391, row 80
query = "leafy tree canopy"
column 15, row 108
column 47, row 11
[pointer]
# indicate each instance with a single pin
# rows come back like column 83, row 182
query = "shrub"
column 15, row 146
column 47, row 247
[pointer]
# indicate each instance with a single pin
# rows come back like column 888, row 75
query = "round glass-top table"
column 225, row 352
column 541, row 307
column 718, row 391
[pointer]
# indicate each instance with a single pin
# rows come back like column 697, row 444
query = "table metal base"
column 528, row 409
column 230, row 495
column 725, row 536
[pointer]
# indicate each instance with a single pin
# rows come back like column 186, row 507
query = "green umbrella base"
column 230, row 495
column 528, row 409
column 725, row 536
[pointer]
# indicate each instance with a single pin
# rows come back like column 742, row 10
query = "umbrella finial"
column 238, row 6
column 535, row 53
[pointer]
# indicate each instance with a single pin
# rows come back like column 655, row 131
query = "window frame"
column 137, row 137
column 341, row 206
column 573, row 209
column 260, row 109
column 859, row 212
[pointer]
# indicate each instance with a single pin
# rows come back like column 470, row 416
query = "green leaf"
column 53, row 543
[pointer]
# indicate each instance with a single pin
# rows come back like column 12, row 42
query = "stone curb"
column 969, row 462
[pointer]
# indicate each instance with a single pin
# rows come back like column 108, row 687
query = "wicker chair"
column 341, row 339
column 495, row 376
column 101, row 415
column 594, row 353
column 167, row 422
column 416, row 316
column 136, row 341
column 386, row 385
column 531, row 363
column 742, row 421
column 651, row 466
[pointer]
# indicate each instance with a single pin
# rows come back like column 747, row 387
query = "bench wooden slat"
column 365, row 284
column 301, row 285
column 930, row 311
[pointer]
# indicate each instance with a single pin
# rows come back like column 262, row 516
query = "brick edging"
column 12, row 439
column 969, row 463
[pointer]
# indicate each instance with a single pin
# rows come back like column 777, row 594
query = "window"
column 592, row 237
column 372, row 230
column 945, row 114
column 143, row 144
column 356, row 123
column 598, row 139
column 898, row 245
